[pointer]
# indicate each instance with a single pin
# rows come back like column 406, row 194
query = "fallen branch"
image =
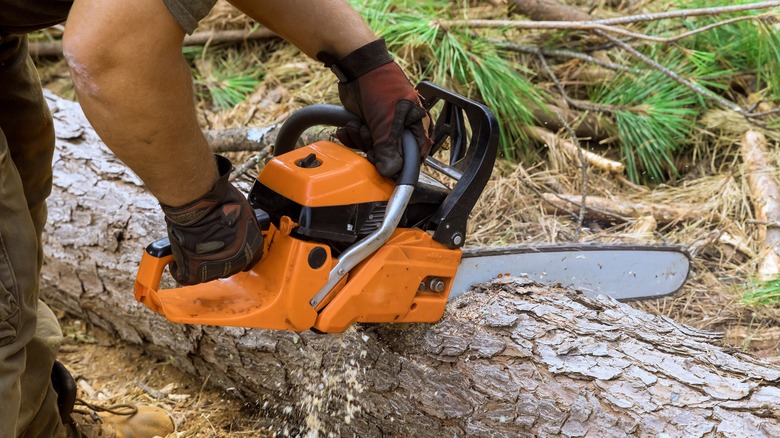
column 765, row 192
column 553, row 141
column 602, row 208
column 601, row 23
column 551, row 10
column 537, row 50
column 643, row 228
column 54, row 48
column 240, row 139
column 587, row 125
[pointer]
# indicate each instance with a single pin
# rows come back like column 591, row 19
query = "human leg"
column 30, row 335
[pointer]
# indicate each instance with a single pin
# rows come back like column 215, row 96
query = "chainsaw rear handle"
column 334, row 115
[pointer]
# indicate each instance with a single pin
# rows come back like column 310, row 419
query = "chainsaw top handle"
column 334, row 115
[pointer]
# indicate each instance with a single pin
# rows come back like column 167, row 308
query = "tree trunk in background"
column 508, row 358
column 765, row 196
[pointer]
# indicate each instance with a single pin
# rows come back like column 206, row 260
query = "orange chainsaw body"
column 344, row 244
column 388, row 286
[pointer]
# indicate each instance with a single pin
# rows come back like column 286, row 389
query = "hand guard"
column 374, row 88
column 214, row 236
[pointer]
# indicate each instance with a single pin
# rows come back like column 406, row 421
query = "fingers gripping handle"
column 334, row 115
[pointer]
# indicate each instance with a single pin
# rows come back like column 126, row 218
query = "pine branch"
column 537, row 50
column 696, row 88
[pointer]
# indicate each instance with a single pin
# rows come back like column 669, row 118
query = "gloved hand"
column 374, row 88
column 214, row 236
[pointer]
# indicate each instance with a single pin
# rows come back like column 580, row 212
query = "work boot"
column 119, row 421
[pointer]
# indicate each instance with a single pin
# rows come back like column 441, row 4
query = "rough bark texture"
column 508, row 359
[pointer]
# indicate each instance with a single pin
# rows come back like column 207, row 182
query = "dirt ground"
column 108, row 371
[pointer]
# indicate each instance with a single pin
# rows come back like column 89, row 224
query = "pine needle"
column 225, row 82
column 456, row 59
column 655, row 118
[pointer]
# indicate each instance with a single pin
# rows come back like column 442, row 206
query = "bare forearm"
column 135, row 88
column 311, row 25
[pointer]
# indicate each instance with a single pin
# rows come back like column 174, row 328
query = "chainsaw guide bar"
column 623, row 272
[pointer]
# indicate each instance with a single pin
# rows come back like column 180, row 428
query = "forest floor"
column 110, row 371
column 723, row 242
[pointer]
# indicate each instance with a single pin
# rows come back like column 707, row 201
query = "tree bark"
column 509, row 358
column 765, row 194
column 601, row 208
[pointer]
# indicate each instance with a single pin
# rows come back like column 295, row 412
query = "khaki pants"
column 30, row 335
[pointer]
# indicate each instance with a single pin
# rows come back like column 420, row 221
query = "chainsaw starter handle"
column 334, row 115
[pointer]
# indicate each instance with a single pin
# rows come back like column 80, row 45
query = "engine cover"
column 330, row 192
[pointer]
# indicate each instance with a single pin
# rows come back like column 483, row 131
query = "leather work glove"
column 374, row 88
column 214, row 236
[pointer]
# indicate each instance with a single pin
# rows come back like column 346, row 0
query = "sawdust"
column 334, row 390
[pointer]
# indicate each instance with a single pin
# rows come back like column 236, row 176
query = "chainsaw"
column 344, row 244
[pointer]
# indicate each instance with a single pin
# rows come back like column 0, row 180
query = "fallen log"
column 601, row 208
column 765, row 194
column 547, row 10
column 509, row 358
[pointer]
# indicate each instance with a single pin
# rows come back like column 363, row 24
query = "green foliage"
column 769, row 58
column 765, row 293
column 457, row 59
column 746, row 47
column 654, row 114
column 655, row 121
column 225, row 82
column 192, row 52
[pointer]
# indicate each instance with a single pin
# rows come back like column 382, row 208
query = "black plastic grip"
column 334, row 115
column 305, row 118
column 410, row 173
column 160, row 248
